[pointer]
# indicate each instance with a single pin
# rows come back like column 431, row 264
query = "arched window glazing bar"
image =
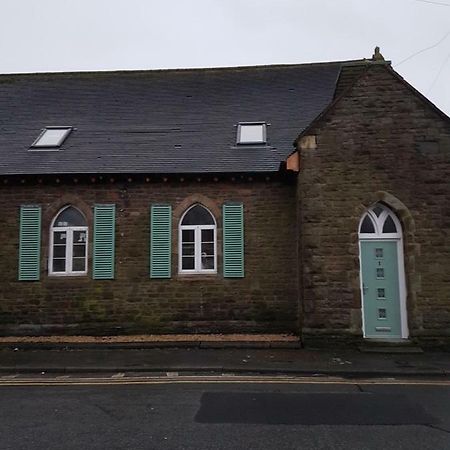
column 68, row 243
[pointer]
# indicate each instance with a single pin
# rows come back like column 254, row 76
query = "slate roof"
column 166, row 121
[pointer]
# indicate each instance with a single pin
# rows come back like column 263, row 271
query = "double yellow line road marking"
column 121, row 379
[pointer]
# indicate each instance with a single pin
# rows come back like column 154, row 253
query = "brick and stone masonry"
column 379, row 142
column 264, row 301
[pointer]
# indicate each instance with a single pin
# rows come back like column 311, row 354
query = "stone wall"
column 264, row 301
column 380, row 142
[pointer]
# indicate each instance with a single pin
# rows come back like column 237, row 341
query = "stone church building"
column 311, row 199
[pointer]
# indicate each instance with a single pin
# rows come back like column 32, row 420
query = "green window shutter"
column 104, row 242
column 160, row 241
column 233, row 240
column 30, row 243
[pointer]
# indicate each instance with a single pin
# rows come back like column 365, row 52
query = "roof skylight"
column 52, row 137
column 251, row 133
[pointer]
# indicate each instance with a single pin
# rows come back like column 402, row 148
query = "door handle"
column 365, row 289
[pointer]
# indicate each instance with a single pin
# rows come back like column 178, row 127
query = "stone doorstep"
column 390, row 349
column 389, row 346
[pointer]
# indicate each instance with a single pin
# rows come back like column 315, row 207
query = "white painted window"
column 378, row 222
column 68, row 243
column 251, row 133
column 51, row 138
column 197, row 241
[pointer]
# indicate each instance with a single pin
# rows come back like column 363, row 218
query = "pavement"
column 203, row 361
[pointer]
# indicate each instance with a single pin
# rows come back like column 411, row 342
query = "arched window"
column 68, row 243
column 197, row 238
column 379, row 221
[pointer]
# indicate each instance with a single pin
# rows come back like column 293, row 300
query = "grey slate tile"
column 134, row 122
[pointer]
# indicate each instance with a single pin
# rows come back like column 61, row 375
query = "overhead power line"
column 424, row 49
column 433, row 2
column 438, row 73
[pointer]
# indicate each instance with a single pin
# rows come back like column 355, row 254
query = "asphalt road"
column 239, row 415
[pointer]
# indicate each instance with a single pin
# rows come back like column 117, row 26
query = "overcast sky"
column 76, row 35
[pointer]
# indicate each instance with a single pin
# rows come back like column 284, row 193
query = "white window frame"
column 197, row 245
column 36, row 146
column 244, row 124
column 69, row 248
column 378, row 223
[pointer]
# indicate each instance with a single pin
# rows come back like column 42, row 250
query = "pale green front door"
column 381, row 293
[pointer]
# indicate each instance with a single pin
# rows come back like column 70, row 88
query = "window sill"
column 199, row 276
column 67, row 275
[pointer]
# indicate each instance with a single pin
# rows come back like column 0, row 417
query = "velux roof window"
column 51, row 138
column 251, row 133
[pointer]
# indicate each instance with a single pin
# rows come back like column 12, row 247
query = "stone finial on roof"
column 377, row 56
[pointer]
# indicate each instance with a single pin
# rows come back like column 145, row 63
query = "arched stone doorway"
column 382, row 277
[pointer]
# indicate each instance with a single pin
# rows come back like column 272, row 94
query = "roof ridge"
column 192, row 69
